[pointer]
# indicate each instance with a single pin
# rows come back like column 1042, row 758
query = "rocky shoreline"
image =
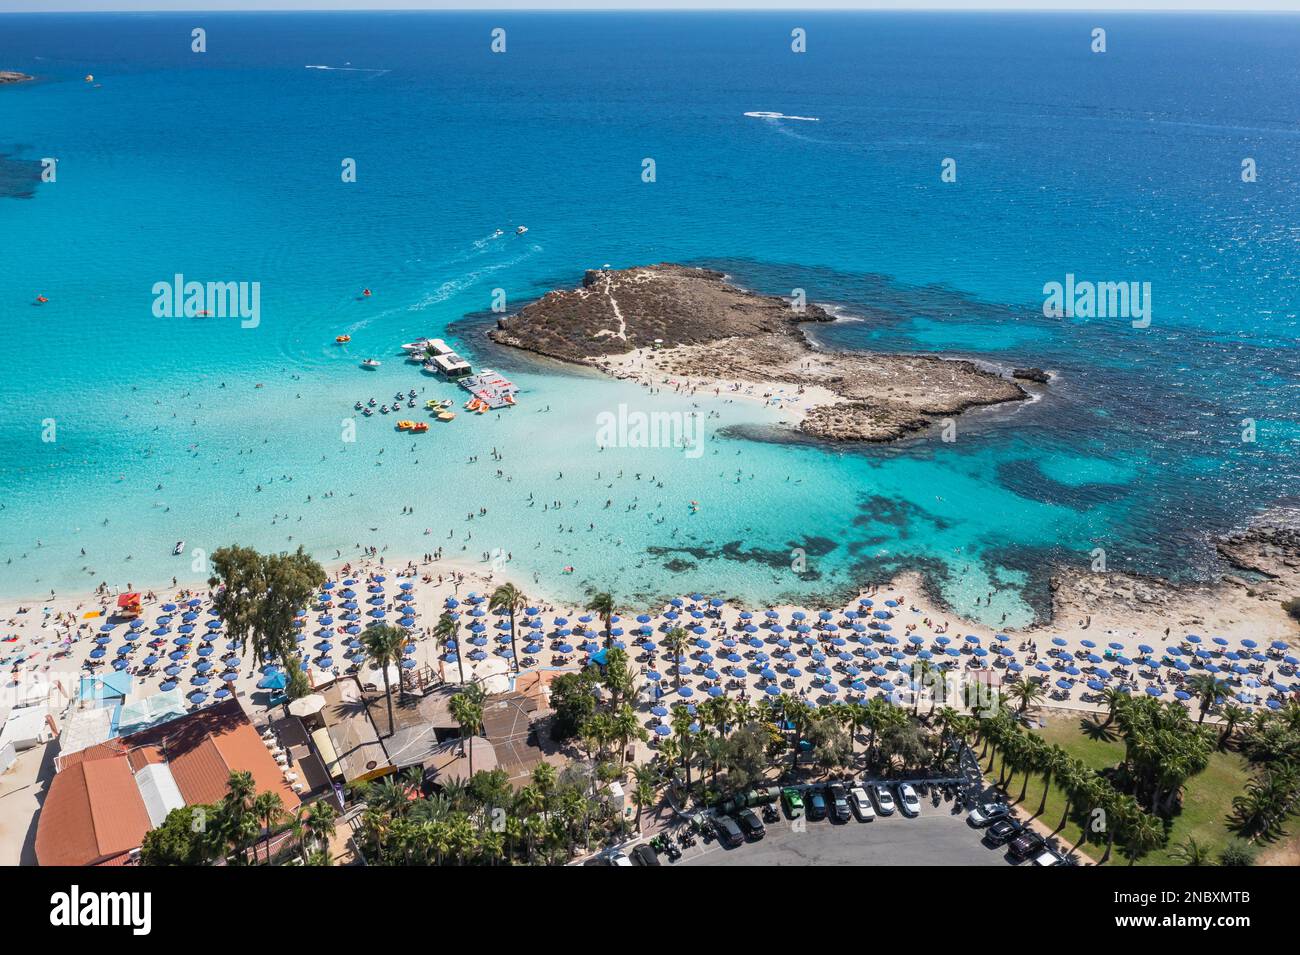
column 671, row 324
column 1252, row 608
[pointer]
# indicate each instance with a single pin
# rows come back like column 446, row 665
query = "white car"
column 1047, row 857
column 884, row 799
column 619, row 858
column 908, row 801
column 861, row 804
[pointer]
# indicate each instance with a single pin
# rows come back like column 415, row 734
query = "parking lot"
column 936, row 837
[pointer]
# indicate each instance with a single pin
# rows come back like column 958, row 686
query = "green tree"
column 511, row 599
column 603, row 604
column 384, row 645
column 447, row 631
column 468, row 712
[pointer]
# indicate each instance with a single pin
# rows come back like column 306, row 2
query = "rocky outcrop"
column 1032, row 374
column 8, row 76
column 617, row 311
column 669, row 322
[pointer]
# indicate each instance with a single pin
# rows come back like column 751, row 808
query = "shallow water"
column 225, row 167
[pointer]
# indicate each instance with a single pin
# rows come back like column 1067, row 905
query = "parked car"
column 618, row 858
column 861, row 804
column 645, row 855
column 1001, row 831
column 884, row 799
column 987, row 812
column 908, row 801
column 1026, row 844
column 729, row 833
column 750, row 824
column 1048, row 857
column 816, row 804
column 792, row 799
column 839, row 802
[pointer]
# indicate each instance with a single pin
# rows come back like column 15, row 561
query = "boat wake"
column 763, row 114
column 454, row 287
column 345, row 69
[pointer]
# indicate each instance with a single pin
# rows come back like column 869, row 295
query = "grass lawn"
column 1207, row 798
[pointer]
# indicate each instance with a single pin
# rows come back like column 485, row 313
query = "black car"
column 1026, row 844
column 839, row 802
column 645, row 855
column 816, row 804
column 1001, row 831
column 750, row 824
column 729, row 833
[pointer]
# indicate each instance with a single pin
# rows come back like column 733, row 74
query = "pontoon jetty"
column 490, row 391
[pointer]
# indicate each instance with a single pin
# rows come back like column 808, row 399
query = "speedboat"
column 370, row 363
column 419, row 345
column 521, row 230
column 497, row 233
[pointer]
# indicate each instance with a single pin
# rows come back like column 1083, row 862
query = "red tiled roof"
column 92, row 813
column 93, row 809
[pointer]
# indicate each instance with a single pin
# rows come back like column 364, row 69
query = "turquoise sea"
column 225, row 166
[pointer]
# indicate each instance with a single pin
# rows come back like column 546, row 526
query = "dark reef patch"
column 18, row 177
column 1024, row 478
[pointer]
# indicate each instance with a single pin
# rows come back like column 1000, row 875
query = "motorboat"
column 521, row 230
column 371, row 363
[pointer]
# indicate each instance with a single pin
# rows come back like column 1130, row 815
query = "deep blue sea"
column 225, row 166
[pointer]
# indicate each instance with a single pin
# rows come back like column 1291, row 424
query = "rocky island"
column 8, row 76
column 689, row 328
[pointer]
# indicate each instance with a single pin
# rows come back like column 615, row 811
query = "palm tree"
column 1192, row 852
column 448, row 629
column 268, row 809
column 676, row 641
column 1114, row 698
column 681, row 723
column 544, row 778
column 643, row 789
column 1233, row 716
column 603, row 604
column 1207, row 689
column 1027, row 692
column 1142, row 835
column 510, row 598
column 384, row 645
column 469, row 714
column 318, row 821
column 237, row 808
